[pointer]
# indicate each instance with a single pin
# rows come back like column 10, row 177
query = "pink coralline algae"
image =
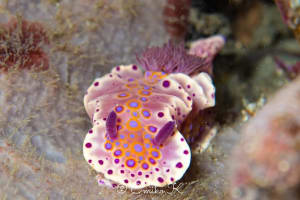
column 135, row 139
column 21, row 44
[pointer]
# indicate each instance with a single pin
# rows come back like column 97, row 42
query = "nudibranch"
column 135, row 139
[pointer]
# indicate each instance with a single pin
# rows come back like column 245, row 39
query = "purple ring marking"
column 130, row 163
column 143, row 99
column 138, row 148
column 152, row 129
column 118, row 152
column 155, row 154
column 133, row 104
column 148, row 136
column 146, row 113
column 152, row 161
column 133, row 124
column 119, row 108
column 145, row 166
column 108, row 146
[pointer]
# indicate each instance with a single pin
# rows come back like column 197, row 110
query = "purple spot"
column 156, row 169
column 132, row 175
column 122, row 171
column 152, row 129
column 100, row 162
column 117, row 161
column 181, row 139
column 130, row 79
column 130, row 163
column 127, row 153
column 179, row 87
column 110, row 171
column 160, row 114
column 117, row 143
column 134, row 67
column 179, row 165
column 213, row 95
column 188, row 86
column 91, row 131
column 133, row 104
column 189, row 98
column 96, row 83
column 138, row 148
column 118, row 68
column 167, row 170
column 145, row 166
column 166, row 83
column 141, row 158
column 108, row 146
column 133, row 124
column 125, row 145
column 114, row 185
column 172, row 179
column 146, row 92
column 160, row 179
column 138, row 182
column 140, row 173
column 132, row 135
column 186, row 152
column 147, row 146
column 118, row 152
column 90, row 161
column 152, row 161
column 122, row 136
column 110, row 75
column 154, row 153
column 97, row 110
column 146, row 113
column 119, row 127
column 135, row 114
column 194, row 94
column 147, row 176
column 122, row 95
column 125, row 181
column 146, row 87
column 143, row 99
column 148, row 136
column 119, row 108
column 88, row 145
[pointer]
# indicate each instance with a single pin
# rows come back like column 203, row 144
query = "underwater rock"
column 266, row 163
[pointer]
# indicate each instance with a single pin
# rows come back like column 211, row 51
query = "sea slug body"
column 135, row 139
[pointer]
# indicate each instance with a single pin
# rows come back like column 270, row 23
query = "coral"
column 21, row 44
